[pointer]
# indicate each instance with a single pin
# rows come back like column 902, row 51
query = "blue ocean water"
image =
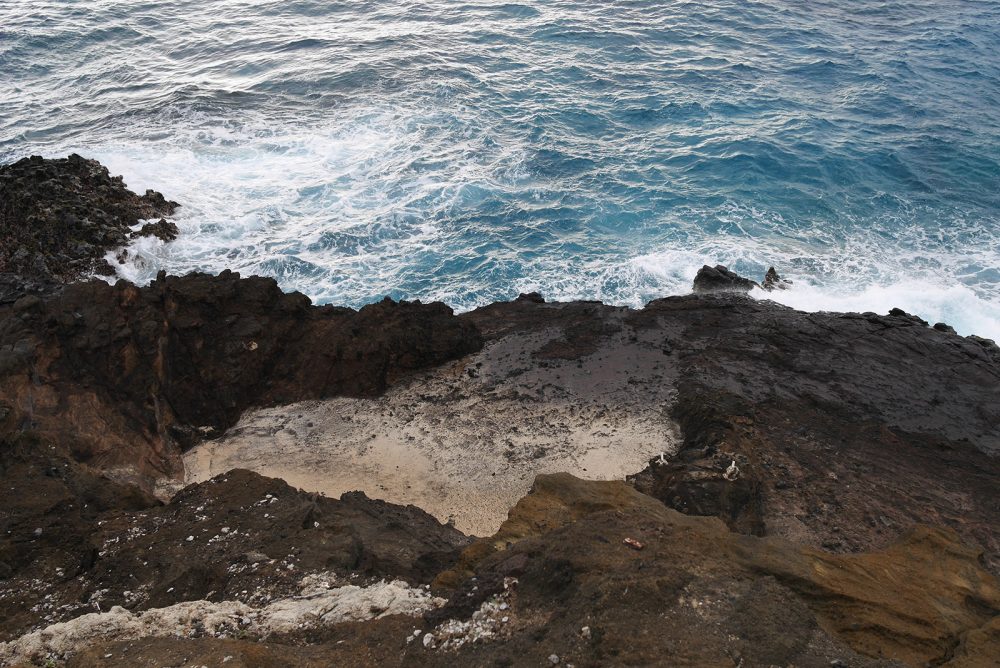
column 466, row 151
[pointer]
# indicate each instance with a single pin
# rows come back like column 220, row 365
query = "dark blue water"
column 602, row 150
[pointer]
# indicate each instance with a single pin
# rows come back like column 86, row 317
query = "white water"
column 246, row 213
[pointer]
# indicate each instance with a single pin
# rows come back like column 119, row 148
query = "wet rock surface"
column 59, row 217
column 773, row 281
column 721, row 279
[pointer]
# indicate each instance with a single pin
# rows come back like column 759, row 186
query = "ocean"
column 466, row 152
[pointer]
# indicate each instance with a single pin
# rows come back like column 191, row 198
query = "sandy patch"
column 465, row 441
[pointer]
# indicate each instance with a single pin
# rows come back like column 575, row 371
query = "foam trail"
column 956, row 305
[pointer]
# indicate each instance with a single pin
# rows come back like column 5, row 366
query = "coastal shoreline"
column 763, row 462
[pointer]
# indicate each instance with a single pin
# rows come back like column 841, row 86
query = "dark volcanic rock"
column 846, row 428
column 772, row 281
column 48, row 528
column 163, row 229
column 126, row 377
column 58, row 218
column 720, row 279
column 251, row 538
column 696, row 594
column 833, row 440
column 705, row 596
column 837, row 474
column 533, row 297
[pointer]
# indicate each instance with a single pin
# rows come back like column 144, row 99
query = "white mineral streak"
column 486, row 623
column 317, row 606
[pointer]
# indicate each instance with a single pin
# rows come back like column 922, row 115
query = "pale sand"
column 465, row 447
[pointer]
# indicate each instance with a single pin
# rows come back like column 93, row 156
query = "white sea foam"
column 353, row 150
column 956, row 305
column 935, row 298
column 366, row 206
column 338, row 212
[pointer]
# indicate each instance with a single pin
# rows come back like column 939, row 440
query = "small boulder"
column 163, row 229
column 532, row 297
column 720, row 279
column 773, row 281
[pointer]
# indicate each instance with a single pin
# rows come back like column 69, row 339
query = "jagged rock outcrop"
column 59, row 217
column 832, row 497
column 702, row 594
column 126, row 377
column 721, row 279
column 847, row 432
column 846, row 428
column 772, row 281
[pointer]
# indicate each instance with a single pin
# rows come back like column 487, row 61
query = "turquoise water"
column 599, row 150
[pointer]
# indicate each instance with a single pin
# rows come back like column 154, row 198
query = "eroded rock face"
column 125, row 378
column 59, row 217
column 465, row 440
column 837, row 475
column 845, row 428
column 846, row 432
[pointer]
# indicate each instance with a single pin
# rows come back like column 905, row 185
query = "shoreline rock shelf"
column 60, row 217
